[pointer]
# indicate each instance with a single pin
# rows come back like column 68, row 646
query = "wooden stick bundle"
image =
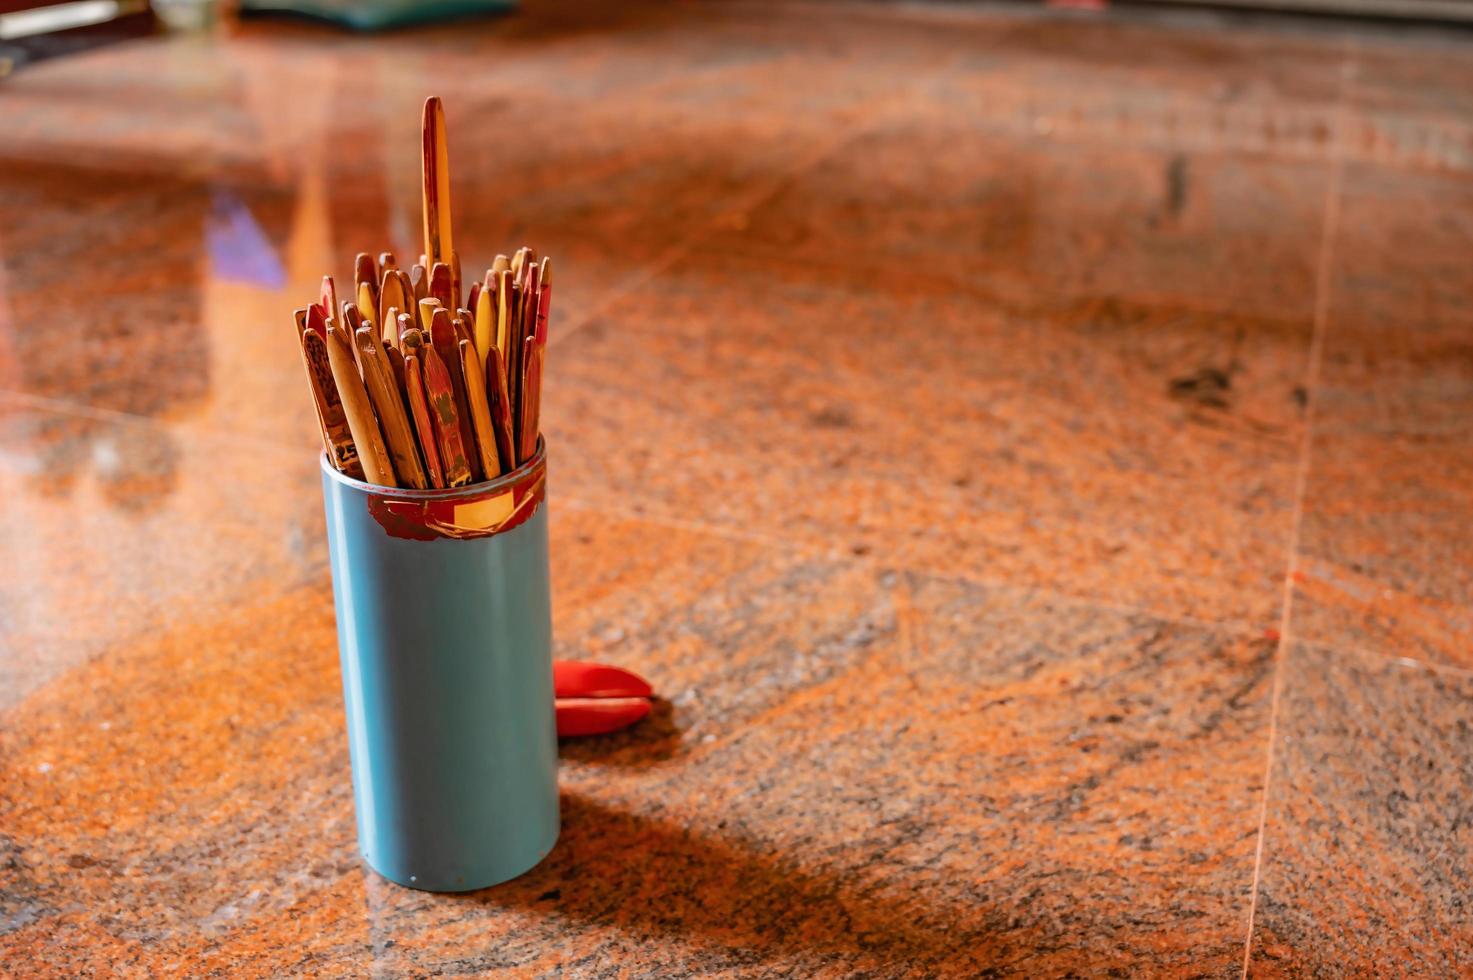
column 416, row 382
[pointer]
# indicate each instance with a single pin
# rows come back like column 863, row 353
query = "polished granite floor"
column 1029, row 452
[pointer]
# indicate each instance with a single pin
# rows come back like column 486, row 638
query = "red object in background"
column 593, row 699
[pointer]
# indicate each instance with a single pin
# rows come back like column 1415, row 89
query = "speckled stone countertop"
column 1030, row 454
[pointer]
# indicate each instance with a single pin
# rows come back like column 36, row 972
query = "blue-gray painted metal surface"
column 446, row 652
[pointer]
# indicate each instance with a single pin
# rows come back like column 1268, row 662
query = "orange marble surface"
column 1028, row 453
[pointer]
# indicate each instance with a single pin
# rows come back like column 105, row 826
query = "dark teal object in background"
column 445, row 638
column 377, row 15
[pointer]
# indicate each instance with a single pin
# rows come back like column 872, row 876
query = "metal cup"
column 445, row 638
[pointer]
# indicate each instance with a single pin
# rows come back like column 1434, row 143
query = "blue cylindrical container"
column 445, row 637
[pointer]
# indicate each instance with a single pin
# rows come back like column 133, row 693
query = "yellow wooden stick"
column 391, row 327
column 372, row 452
column 485, row 327
column 367, row 308
column 390, row 295
column 383, row 392
column 427, row 308
column 475, row 393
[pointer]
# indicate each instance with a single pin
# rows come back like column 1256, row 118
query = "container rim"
column 503, row 482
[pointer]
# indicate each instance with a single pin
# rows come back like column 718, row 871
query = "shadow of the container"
column 654, row 739
column 740, row 905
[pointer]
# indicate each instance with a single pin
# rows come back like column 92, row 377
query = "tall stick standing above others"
column 436, row 171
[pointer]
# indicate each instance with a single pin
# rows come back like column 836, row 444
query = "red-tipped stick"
column 440, row 394
column 531, row 405
column 424, row 423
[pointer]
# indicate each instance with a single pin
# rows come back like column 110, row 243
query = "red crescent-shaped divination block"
column 593, row 699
